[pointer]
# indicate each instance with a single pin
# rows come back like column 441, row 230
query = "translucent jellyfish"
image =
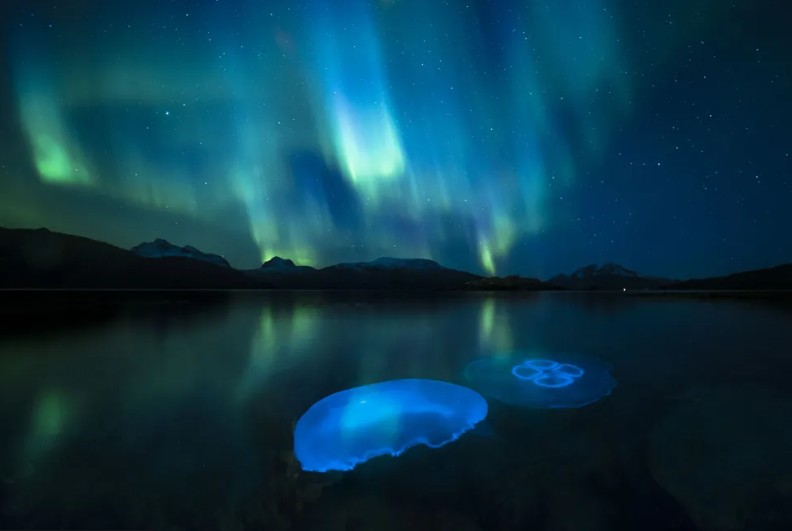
column 350, row 427
column 560, row 381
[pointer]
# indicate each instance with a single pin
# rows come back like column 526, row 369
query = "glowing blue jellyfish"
column 541, row 382
column 349, row 427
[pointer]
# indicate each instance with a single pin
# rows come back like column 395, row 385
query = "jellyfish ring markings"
column 547, row 373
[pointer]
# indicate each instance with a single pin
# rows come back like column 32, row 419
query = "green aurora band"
column 414, row 128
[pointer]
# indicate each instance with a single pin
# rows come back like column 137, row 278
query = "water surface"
column 176, row 412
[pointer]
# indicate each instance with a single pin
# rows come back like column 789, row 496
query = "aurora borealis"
column 495, row 136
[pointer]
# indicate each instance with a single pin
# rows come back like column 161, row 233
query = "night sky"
column 528, row 137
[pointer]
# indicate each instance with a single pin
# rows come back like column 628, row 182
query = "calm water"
column 167, row 412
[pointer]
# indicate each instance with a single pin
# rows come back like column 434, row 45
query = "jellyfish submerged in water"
column 560, row 381
column 349, row 427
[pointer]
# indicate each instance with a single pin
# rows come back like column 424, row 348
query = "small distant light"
column 624, row 289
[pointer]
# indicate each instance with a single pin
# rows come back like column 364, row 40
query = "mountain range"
column 772, row 278
column 160, row 248
column 607, row 277
column 42, row 259
column 385, row 273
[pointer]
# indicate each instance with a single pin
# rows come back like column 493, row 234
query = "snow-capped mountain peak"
column 160, row 248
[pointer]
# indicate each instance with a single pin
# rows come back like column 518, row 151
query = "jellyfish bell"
column 350, row 427
column 559, row 381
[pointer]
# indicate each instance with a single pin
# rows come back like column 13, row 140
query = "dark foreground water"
column 177, row 412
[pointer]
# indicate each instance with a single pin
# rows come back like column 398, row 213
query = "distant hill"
column 509, row 283
column 283, row 273
column 277, row 264
column 160, row 248
column 388, row 263
column 607, row 277
column 382, row 273
column 398, row 273
column 49, row 260
column 773, row 278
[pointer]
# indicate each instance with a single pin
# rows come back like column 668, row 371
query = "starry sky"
column 528, row 137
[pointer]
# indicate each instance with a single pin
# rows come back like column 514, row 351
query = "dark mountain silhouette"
column 418, row 273
column 382, row 273
column 41, row 259
column 509, row 283
column 283, row 273
column 772, row 278
column 277, row 264
column 388, row 263
column 160, row 248
column 607, row 277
